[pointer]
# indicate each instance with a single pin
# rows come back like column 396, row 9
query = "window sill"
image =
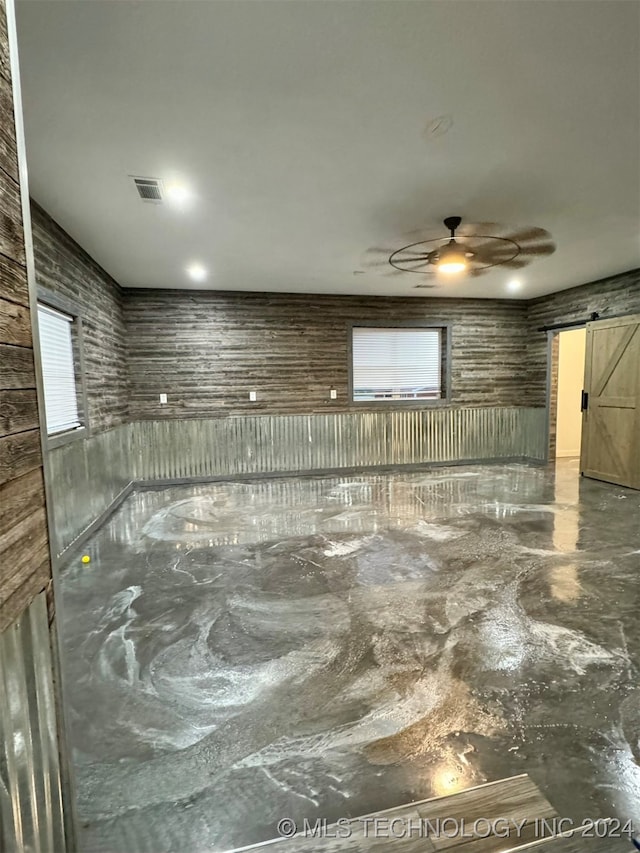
column 62, row 438
column 403, row 404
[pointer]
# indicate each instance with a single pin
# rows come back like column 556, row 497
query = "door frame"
column 551, row 394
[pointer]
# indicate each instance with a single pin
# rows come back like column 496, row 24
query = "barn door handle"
column 584, row 404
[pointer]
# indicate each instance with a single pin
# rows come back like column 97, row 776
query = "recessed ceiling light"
column 197, row 272
column 514, row 285
column 177, row 192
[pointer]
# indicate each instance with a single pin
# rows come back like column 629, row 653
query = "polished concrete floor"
column 330, row 646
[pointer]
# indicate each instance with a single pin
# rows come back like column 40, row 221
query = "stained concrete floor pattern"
column 330, row 646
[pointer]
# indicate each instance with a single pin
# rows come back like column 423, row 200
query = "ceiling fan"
column 471, row 249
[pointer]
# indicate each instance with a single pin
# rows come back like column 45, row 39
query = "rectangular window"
column 58, row 370
column 397, row 363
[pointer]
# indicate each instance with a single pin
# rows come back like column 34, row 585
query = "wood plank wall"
column 207, row 350
column 63, row 267
column 619, row 294
column 24, row 552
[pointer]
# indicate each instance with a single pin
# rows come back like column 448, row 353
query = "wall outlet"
column 163, row 399
column 334, row 394
column 253, row 396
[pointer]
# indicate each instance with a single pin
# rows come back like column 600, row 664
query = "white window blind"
column 397, row 363
column 58, row 371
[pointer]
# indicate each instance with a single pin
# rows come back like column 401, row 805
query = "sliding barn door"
column 611, row 402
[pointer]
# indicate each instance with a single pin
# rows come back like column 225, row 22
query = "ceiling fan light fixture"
column 452, row 258
column 481, row 247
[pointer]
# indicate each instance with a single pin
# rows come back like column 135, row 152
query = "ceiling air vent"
column 149, row 189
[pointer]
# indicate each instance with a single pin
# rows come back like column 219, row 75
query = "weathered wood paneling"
column 18, row 411
column 64, row 268
column 16, row 367
column 15, row 324
column 619, row 294
column 8, row 152
column 24, row 552
column 20, row 498
column 5, row 66
column 19, row 453
column 22, row 549
column 15, row 603
column 207, row 350
column 11, row 235
column 13, row 282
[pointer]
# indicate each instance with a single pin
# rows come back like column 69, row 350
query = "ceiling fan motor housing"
column 452, row 222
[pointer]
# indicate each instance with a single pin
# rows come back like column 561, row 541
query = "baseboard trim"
column 91, row 528
column 160, row 483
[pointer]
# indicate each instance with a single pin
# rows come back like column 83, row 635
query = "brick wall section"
column 24, row 552
column 207, row 350
column 64, row 268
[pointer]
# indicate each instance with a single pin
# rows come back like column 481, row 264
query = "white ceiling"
column 302, row 127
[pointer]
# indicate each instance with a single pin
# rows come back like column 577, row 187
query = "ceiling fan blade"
column 493, row 247
column 412, row 252
column 543, row 249
column 424, row 286
column 378, row 253
column 496, row 229
column 411, row 259
column 509, row 251
column 526, row 235
column 497, row 254
column 479, row 229
column 416, row 246
column 407, row 266
column 378, row 264
column 484, row 243
column 490, row 258
column 516, row 264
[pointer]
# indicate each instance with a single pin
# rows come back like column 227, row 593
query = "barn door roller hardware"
column 591, row 319
column 554, row 326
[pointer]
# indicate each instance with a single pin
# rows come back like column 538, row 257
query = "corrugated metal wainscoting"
column 175, row 449
column 31, row 817
column 85, row 477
